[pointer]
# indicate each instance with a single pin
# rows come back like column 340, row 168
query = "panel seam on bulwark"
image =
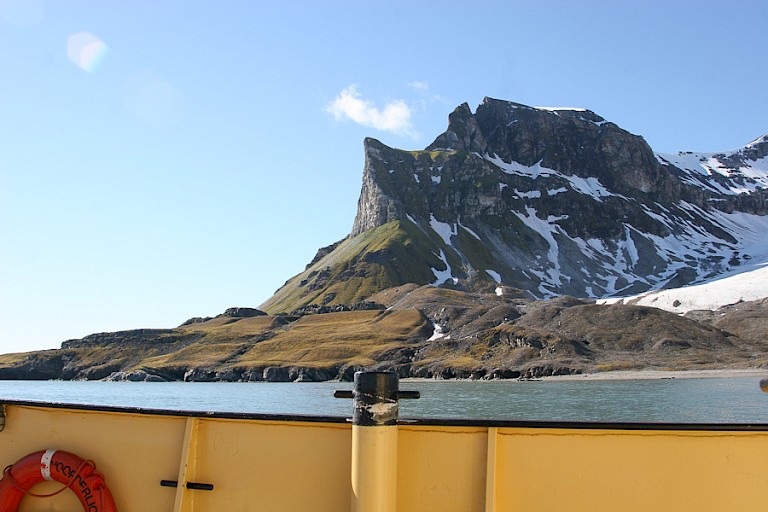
column 626, row 433
column 490, row 471
column 183, row 502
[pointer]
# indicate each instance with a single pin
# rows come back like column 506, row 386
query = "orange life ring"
column 75, row 473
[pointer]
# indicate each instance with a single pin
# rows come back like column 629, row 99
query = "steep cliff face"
column 377, row 204
column 548, row 202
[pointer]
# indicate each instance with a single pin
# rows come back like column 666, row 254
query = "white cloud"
column 422, row 88
column 419, row 86
column 394, row 117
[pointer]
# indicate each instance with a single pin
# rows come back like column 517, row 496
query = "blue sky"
column 164, row 160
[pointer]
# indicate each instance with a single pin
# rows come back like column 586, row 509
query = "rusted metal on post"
column 375, row 399
column 374, row 440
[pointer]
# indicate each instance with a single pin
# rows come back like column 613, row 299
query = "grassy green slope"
column 391, row 255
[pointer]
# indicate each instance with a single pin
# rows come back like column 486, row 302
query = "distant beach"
column 661, row 374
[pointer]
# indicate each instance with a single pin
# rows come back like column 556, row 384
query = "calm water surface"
column 706, row 400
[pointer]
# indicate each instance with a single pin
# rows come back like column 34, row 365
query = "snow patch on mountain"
column 549, row 272
column 747, row 283
column 495, row 275
column 515, row 168
column 438, row 333
column 533, row 194
column 749, row 228
column 441, row 276
column 588, row 186
column 687, row 247
column 555, row 109
column 732, row 172
column 445, row 230
column 465, row 228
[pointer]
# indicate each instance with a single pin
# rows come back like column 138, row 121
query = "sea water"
column 689, row 400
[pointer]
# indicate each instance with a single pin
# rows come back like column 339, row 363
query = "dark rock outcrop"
column 314, row 309
column 243, row 312
column 35, row 366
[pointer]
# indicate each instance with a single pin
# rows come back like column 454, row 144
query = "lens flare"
column 153, row 100
column 86, row 51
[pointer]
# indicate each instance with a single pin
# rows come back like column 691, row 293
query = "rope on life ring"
column 55, row 465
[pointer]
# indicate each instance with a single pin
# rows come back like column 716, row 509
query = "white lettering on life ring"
column 45, row 464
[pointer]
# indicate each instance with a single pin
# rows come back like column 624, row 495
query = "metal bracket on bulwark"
column 190, row 485
column 2, row 417
column 374, row 440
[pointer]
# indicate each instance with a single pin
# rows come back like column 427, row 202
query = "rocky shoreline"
column 343, row 374
column 298, row 374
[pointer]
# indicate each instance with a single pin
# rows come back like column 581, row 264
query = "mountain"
column 523, row 242
column 539, row 203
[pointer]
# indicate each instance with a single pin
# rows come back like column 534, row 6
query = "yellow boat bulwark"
column 283, row 463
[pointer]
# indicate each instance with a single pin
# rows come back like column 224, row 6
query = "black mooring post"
column 375, row 397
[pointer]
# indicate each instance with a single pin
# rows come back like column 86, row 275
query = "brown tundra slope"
column 418, row 331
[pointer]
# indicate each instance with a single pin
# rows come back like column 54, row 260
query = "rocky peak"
column 754, row 151
column 570, row 142
column 546, row 201
column 463, row 133
column 737, row 179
